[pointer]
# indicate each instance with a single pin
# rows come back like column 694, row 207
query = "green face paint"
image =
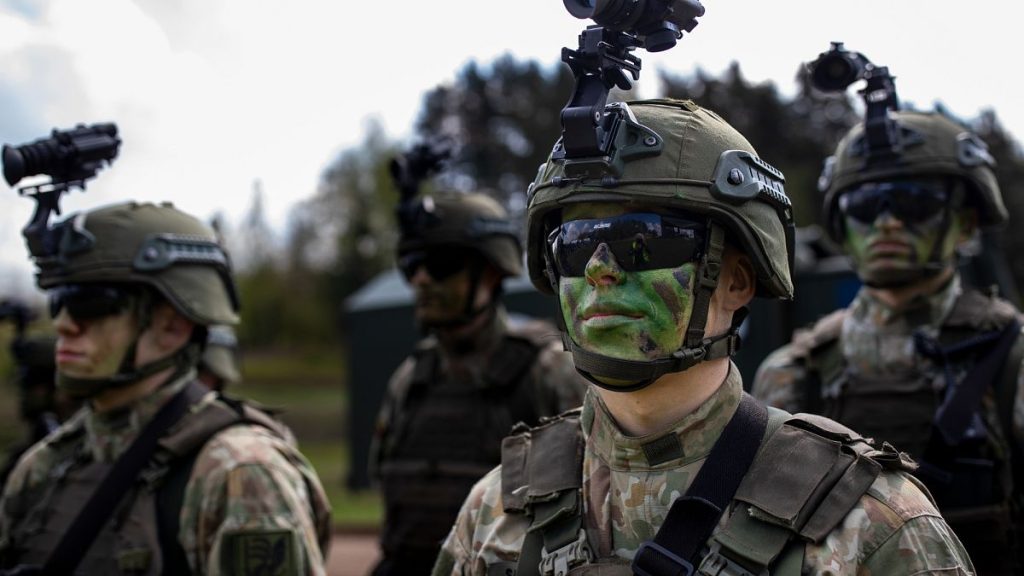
column 888, row 250
column 639, row 315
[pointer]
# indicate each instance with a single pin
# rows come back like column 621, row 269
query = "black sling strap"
column 118, row 482
column 692, row 518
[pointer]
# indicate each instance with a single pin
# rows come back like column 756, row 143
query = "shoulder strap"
column 86, row 526
column 692, row 518
column 818, row 350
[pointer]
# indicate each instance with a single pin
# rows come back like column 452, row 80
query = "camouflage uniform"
column 579, row 496
column 449, row 405
column 225, row 491
column 246, row 483
column 626, row 499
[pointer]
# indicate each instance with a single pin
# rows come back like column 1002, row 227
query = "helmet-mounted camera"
column 69, row 158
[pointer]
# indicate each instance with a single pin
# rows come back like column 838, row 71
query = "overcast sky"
column 211, row 95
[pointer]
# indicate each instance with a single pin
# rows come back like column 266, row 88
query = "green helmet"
column 156, row 245
column 932, row 145
column 672, row 154
column 474, row 221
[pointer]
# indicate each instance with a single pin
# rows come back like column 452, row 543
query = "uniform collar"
column 109, row 434
column 929, row 309
column 696, row 432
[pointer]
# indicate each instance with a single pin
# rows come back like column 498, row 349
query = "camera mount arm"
column 600, row 63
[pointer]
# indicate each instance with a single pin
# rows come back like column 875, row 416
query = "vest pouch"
column 963, row 483
column 898, row 411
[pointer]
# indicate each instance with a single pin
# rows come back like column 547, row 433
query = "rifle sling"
column 118, row 482
column 676, row 547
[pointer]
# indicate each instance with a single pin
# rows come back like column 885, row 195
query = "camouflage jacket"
column 248, row 488
column 875, row 342
column 893, row 528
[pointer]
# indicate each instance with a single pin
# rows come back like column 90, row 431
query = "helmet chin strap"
column 627, row 375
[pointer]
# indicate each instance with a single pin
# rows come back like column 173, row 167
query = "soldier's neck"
column 468, row 336
column 670, row 398
column 117, row 398
column 899, row 297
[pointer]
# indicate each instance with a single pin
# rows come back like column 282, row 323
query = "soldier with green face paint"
column 919, row 359
column 156, row 474
column 653, row 251
column 475, row 375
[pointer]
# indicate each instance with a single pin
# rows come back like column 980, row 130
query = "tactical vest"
column 776, row 511
column 141, row 535
column 447, row 435
column 971, row 479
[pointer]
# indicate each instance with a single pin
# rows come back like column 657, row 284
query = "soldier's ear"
column 737, row 281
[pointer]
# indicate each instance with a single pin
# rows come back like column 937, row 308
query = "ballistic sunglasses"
column 90, row 301
column 440, row 263
column 911, row 201
column 639, row 241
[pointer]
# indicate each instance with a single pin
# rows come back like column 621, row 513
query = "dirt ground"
column 352, row 554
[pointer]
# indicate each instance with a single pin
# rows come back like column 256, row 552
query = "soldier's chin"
column 891, row 276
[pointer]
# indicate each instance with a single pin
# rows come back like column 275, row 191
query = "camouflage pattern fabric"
column 249, row 490
column 894, row 529
column 875, row 340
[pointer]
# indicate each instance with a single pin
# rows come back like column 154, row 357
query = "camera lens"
column 581, row 9
column 14, row 165
column 833, row 72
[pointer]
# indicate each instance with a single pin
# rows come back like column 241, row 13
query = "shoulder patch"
column 260, row 553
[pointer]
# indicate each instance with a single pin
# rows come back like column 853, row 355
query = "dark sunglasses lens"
column 85, row 302
column 638, row 242
column 439, row 264
column 912, row 202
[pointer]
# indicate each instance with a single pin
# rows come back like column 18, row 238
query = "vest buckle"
column 652, row 558
column 717, row 564
column 559, row 562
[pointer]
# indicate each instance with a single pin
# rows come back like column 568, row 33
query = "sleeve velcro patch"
column 260, row 553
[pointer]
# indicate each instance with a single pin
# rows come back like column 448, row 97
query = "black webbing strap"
column 118, row 482
column 692, row 518
column 963, row 401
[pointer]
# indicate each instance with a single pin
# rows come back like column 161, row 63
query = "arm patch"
column 260, row 553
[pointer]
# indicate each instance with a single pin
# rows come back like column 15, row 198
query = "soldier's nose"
column 602, row 268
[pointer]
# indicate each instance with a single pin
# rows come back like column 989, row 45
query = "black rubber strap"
column 118, row 482
column 692, row 518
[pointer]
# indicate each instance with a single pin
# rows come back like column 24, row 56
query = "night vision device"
column 69, row 158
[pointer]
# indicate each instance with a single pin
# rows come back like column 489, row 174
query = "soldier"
column 919, row 359
column 449, row 405
column 156, row 474
column 653, row 256
column 218, row 366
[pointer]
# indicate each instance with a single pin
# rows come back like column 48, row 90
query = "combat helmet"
column 672, row 154
column 931, row 144
column 155, row 245
column 470, row 220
